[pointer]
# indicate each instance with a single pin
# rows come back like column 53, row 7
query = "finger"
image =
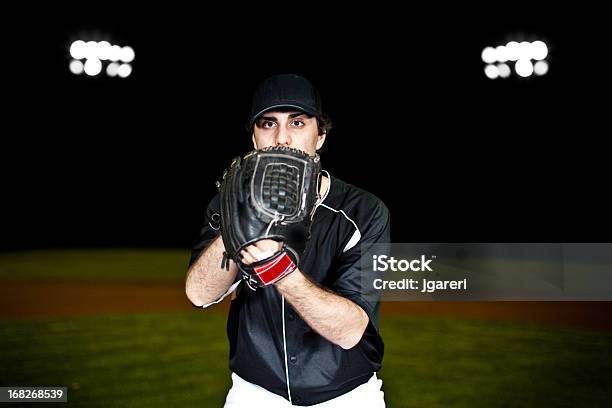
column 259, row 254
column 247, row 258
column 268, row 245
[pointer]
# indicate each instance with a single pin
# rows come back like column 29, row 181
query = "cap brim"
column 302, row 108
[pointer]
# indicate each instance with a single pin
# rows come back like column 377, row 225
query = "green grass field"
column 180, row 359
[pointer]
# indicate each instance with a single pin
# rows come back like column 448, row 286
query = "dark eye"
column 267, row 124
column 297, row 123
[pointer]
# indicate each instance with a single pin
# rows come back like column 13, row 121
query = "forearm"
column 337, row 319
column 206, row 281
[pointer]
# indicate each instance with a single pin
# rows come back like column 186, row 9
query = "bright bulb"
column 491, row 71
column 539, row 50
column 504, row 70
column 112, row 69
column 124, row 70
column 103, row 50
column 78, row 49
column 540, row 68
column 502, row 54
column 524, row 51
column 489, row 55
column 512, row 51
column 523, row 68
column 127, row 54
column 91, row 50
column 114, row 53
column 93, row 66
column 76, row 67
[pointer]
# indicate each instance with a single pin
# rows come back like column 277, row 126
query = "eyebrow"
column 291, row 116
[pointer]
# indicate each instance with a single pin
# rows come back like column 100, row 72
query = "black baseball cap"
column 285, row 91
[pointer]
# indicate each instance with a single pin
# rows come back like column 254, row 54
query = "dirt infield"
column 58, row 299
column 25, row 300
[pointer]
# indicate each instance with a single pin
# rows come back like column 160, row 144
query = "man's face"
column 292, row 129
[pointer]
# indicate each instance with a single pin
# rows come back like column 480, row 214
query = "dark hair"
column 324, row 124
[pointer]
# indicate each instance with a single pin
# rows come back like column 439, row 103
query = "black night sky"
column 455, row 156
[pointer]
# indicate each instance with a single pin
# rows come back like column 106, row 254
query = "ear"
column 254, row 142
column 321, row 140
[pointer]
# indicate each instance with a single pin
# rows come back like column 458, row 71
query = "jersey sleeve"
column 351, row 280
column 209, row 231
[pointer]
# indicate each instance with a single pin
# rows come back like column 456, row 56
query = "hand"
column 260, row 250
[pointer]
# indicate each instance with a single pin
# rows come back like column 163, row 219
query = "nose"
column 283, row 138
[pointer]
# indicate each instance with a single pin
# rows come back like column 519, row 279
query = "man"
column 311, row 337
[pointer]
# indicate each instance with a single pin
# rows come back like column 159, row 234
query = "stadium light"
column 76, row 67
column 499, row 58
column 112, row 69
column 502, row 55
column 524, row 67
column 504, row 70
column 88, row 57
column 491, row 71
column 540, row 68
column 91, row 50
column 93, row 66
column 77, row 50
column 524, row 50
column 512, row 49
column 127, row 54
column 103, row 50
column 124, row 70
column 489, row 55
column 539, row 50
column 114, row 53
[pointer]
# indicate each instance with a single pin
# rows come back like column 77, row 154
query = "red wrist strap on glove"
column 275, row 269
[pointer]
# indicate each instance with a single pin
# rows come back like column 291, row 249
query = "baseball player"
column 301, row 330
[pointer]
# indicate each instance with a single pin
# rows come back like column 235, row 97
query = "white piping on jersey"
column 321, row 199
column 356, row 235
column 229, row 290
column 319, row 202
column 285, row 348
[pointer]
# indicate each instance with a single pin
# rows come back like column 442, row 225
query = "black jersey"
column 270, row 345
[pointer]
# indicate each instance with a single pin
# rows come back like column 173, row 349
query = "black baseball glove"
column 269, row 194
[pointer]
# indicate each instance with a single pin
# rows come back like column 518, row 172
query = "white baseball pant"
column 244, row 394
